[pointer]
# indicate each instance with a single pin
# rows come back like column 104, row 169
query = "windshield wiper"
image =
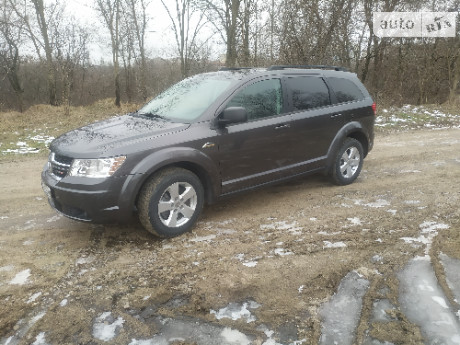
column 152, row 115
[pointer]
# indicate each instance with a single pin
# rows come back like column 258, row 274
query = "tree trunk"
column 51, row 72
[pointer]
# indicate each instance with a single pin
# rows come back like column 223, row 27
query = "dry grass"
column 36, row 126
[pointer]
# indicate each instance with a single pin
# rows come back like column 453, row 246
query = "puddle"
column 335, row 328
column 424, row 303
column 235, row 311
column 452, row 270
column 191, row 330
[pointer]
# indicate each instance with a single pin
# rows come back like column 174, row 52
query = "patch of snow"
column 282, row 252
column 313, row 219
column 335, row 328
column 328, row 244
column 250, row 263
column 232, row 336
column 106, row 327
column 3, row 217
column 85, row 260
column 393, row 212
column 7, row 268
column 283, row 225
column 379, row 203
column 355, row 221
column 410, row 171
column 423, row 302
column 429, row 232
column 33, row 297
column 412, row 202
column 63, row 302
column 40, row 339
column 54, row 218
column 27, row 243
column 235, row 311
column 300, row 289
column 21, row 278
column 329, row 233
column 37, row 317
column 203, row 238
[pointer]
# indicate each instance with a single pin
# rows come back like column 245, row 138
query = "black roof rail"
column 234, row 68
column 280, row 67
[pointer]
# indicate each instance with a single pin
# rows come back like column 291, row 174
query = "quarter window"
column 308, row 93
column 345, row 90
column 261, row 99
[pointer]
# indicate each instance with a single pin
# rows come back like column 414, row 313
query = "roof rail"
column 234, row 68
column 280, row 67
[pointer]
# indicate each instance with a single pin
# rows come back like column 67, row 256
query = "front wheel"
column 170, row 202
column 348, row 162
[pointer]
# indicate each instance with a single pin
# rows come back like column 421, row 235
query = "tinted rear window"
column 345, row 90
column 308, row 93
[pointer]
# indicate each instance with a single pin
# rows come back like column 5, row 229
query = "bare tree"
column 110, row 12
column 43, row 27
column 224, row 15
column 186, row 28
column 138, row 16
column 11, row 32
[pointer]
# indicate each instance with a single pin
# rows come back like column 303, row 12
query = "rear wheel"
column 348, row 162
column 170, row 202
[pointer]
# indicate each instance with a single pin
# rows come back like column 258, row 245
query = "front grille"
column 59, row 165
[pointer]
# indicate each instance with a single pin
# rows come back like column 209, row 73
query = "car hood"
column 100, row 138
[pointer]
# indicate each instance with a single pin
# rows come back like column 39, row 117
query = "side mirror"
column 233, row 115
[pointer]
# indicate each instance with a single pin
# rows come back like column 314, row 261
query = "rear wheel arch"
column 352, row 130
column 361, row 137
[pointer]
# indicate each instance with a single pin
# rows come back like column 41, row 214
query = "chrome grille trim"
column 59, row 166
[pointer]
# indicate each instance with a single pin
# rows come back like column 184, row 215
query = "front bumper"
column 89, row 199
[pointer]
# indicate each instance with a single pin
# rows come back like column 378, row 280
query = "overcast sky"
column 159, row 38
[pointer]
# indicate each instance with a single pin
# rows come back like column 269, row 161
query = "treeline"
column 45, row 53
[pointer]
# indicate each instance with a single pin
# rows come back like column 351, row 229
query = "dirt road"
column 376, row 262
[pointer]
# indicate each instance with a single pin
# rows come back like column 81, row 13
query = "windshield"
column 188, row 99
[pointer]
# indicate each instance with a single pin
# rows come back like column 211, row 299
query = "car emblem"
column 208, row 145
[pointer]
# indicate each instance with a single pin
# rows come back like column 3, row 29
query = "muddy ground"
column 274, row 257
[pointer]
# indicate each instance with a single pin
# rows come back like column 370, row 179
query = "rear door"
column 315, row 122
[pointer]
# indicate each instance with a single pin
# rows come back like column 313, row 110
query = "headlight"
column 96, row 168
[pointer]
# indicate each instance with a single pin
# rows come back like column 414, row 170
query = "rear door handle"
column 336, row 115
column 286, row 125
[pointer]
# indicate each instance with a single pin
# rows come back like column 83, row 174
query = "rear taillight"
column 374, row 108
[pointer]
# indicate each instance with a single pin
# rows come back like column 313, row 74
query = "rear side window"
column 308, row 93
column 345, row 90
column 261, row 99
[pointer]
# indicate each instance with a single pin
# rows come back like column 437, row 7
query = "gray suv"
column 212, row 135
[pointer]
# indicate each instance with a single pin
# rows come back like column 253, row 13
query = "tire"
column 170, row 202
column 348, row 162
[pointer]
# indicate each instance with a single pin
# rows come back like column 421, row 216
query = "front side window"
column 261, row 99
column 345, row 90
column 308, row 93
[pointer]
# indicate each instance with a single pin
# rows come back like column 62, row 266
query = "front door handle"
column 286, row 125
column 336, row 115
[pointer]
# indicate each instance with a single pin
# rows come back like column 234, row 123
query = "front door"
column 255, row 152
